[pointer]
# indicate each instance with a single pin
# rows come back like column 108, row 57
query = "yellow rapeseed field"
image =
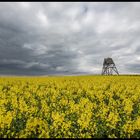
column 70, row 107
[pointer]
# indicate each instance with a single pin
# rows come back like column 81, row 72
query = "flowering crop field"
column 70, row 107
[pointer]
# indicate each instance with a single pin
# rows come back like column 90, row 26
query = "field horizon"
column 65, row 75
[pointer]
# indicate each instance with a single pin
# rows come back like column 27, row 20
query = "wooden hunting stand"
column 109, row 67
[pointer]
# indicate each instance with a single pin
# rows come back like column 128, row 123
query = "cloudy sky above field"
column 68, row 38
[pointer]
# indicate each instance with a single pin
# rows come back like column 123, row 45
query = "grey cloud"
column 133, row 68
column 43, row 38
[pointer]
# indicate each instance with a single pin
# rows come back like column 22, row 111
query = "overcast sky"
column 68, row 37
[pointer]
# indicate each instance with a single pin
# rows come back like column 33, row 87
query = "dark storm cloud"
column 133, row 68
column 39, row 38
